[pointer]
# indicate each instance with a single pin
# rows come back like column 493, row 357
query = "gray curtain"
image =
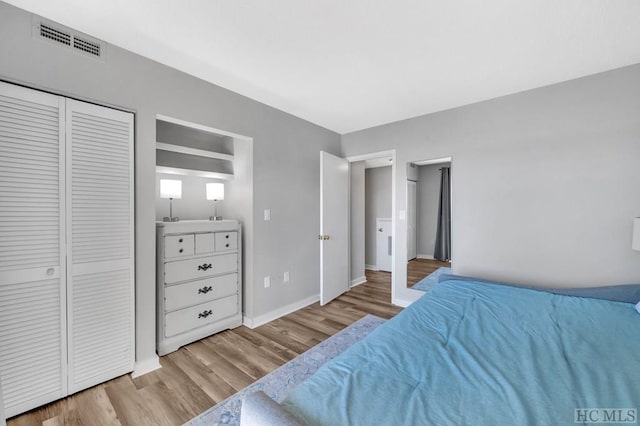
column 442, row 250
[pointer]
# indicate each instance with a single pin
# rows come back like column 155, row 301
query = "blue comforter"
column 472, row 353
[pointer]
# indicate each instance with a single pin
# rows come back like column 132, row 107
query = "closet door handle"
column 205, row 314
column 204, row 267
column 204, row 290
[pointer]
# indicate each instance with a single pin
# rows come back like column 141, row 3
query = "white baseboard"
column 371, row 267
column 280, row 312
column 402, row 302
column 146, row 366
column 358, row 281
column 425, row 256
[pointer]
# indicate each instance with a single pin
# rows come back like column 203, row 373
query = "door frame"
column 370, row 156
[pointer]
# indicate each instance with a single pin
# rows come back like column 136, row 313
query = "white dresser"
column 199, row 290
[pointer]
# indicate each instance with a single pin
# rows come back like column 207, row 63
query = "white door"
column 334, row 227
column 384, row 244
column 100, row 243
column 33, row 349
column 412, row 231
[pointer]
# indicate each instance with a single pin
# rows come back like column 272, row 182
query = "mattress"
column 471, row 352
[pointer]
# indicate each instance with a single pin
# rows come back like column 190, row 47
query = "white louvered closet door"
column 32, row 269
column 100, row 237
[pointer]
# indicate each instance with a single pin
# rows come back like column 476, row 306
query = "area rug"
column 281, row 381
column 430, row 280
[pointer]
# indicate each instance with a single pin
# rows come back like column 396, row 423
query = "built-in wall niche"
column 196, row 155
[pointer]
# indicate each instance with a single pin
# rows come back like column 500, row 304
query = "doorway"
column 428, row 222
column 372, row 221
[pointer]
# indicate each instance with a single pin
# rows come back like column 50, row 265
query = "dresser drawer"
column 200, row 315
column 183, row 295
column 185, row 270
column 178, row 245
column 226, row 241
column 205, row 243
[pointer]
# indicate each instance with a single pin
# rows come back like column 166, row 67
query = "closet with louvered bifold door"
column 66, row 246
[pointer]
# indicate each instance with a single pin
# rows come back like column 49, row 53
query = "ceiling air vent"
column 68, row 38
column 87, row 46
column 54, row 34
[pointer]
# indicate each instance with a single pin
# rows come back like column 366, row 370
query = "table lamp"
column 170, row 188
column 215, row 192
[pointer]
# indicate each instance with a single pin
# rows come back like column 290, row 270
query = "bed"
column 472, row 352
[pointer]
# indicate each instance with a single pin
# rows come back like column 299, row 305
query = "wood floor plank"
column 130, row 406
column 190, row 394
column 201, row 374
column 258, row 339
column 420, row 268
column 215, row 387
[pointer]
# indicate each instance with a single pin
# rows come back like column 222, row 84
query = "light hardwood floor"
column 420, row 268
column 199, row 375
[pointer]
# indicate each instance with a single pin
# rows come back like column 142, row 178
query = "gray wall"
column 546, row 182
column 356, row 214
column 377, row 205
column 427, row 204
column 285, row 169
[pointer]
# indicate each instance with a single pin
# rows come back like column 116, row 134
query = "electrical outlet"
column 267, row 282
column 286, row 277
column 267, row 214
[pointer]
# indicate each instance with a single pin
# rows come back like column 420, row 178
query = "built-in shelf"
column 193, row 151
column 190, row 172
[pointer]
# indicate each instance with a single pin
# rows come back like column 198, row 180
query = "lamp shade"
column 635, row 244
column 215, row 191
column 170, row 188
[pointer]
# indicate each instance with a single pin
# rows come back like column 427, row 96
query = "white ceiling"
column 349, row 65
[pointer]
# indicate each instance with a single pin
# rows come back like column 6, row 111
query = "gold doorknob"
column 323, row 237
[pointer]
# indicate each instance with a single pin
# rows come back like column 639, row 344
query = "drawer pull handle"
column 204, row 290
column 227, row 237
column 204, row 267
column 180, row 240
column 205, row 314
column 227, row 245
column 181, row 250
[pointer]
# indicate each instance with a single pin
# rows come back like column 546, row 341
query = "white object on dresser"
column 66, row 253
column 199, row 282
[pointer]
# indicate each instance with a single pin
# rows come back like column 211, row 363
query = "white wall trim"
column 371, row 267
column 390, row 153
column 432, row 161
column 403, row 303
column 425, row 256
column 280, row 312
column 145, row 366
column 358, row 281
